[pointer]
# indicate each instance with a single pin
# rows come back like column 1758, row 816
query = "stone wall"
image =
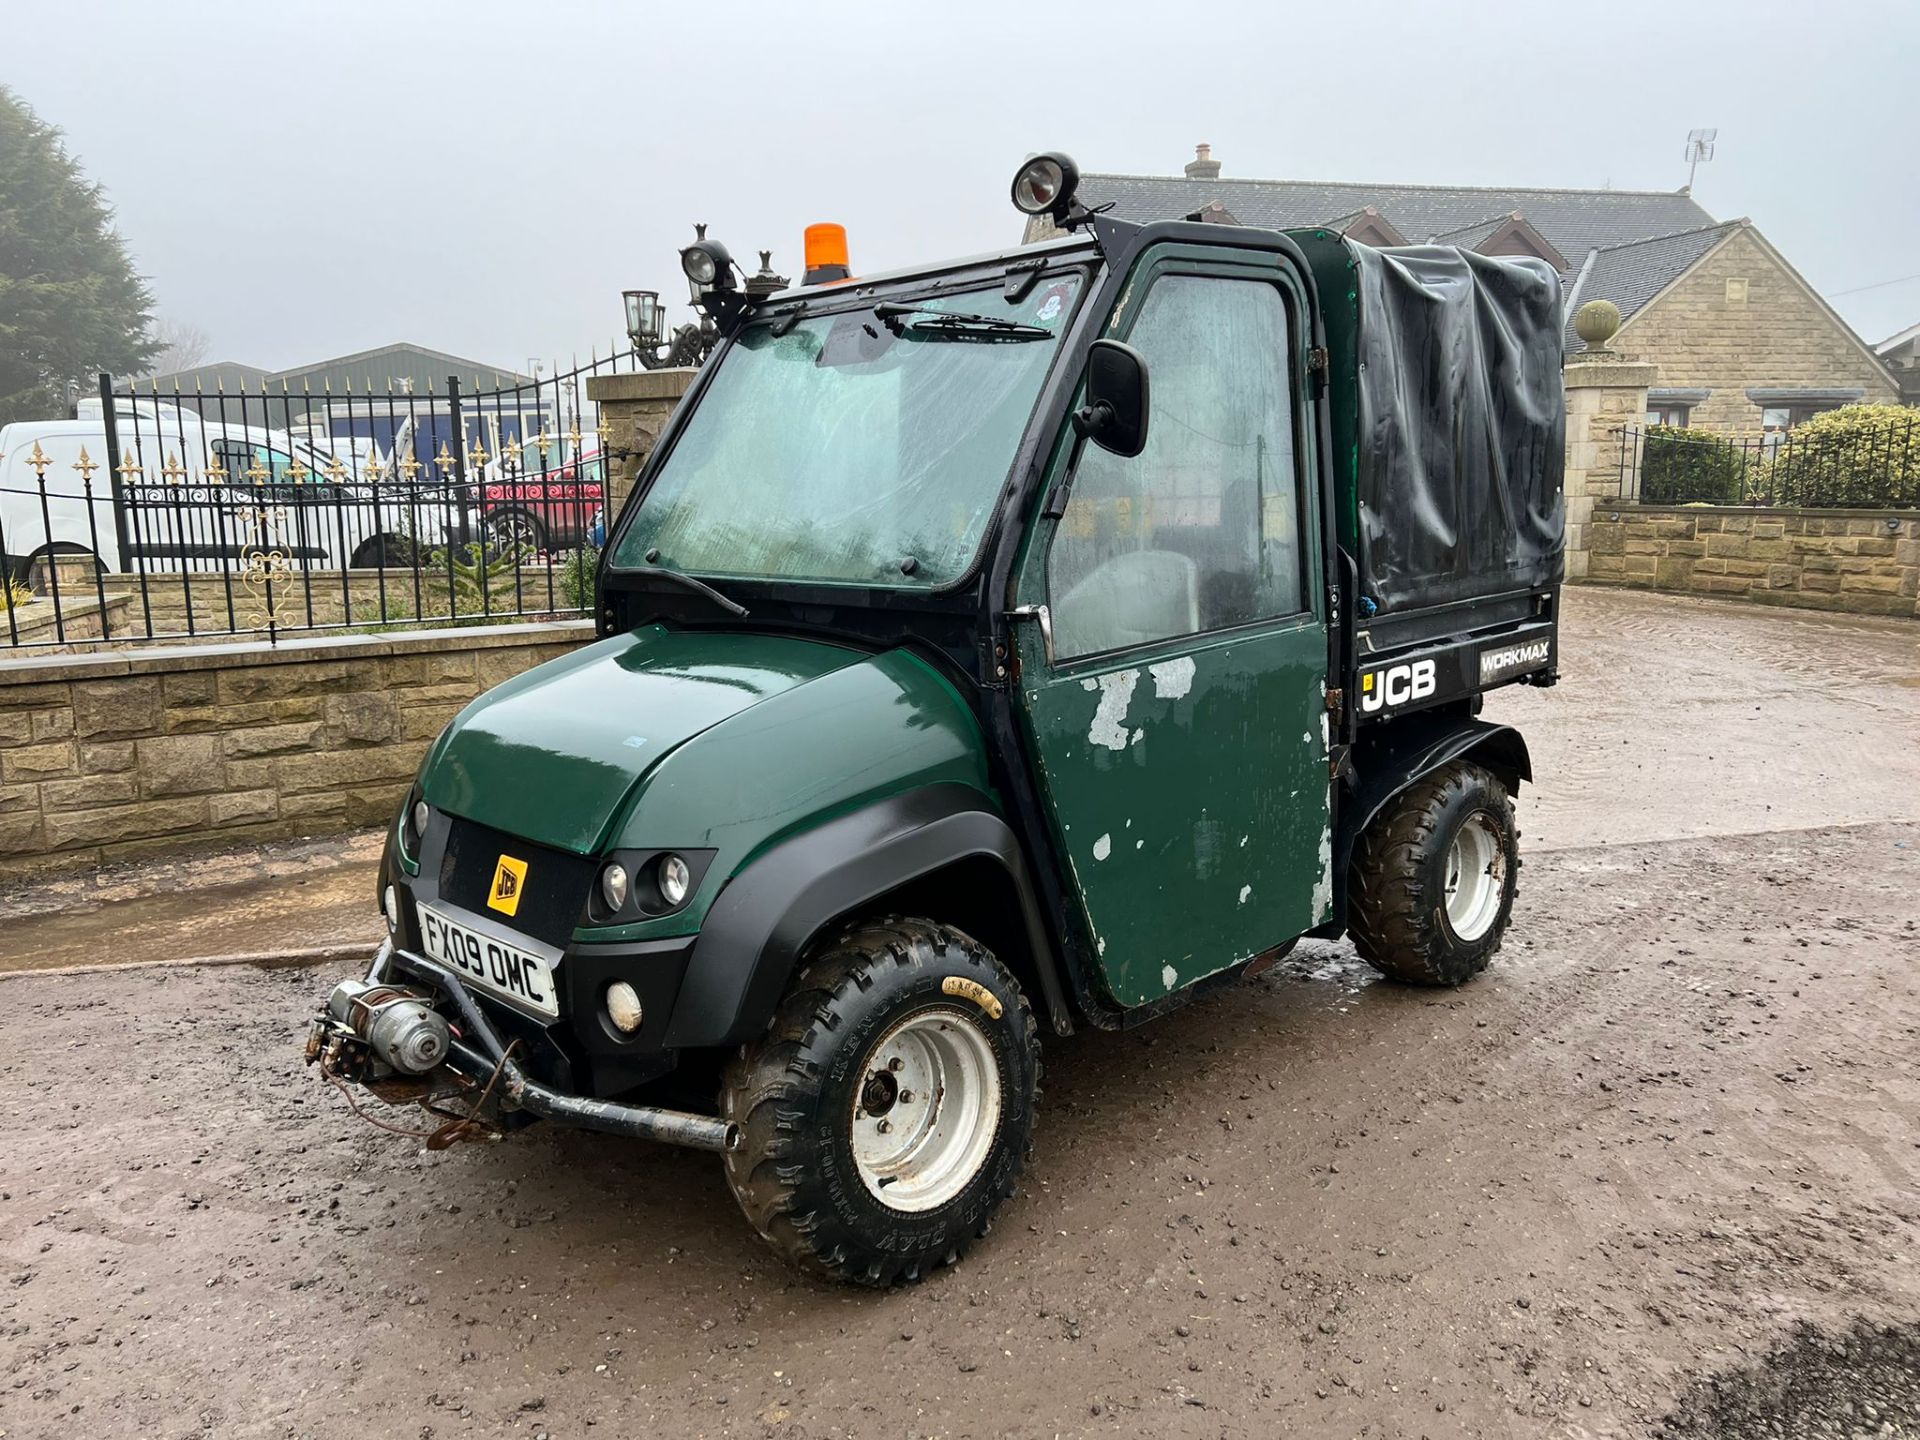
column 1768, row 332
column 1863, row 561
column 116, row 755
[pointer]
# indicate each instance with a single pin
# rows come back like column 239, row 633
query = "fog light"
column 614, row 886
column 390, row 903
column 675, row 879
column 623, row 1007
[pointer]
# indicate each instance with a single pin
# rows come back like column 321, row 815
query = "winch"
column 398, row 1026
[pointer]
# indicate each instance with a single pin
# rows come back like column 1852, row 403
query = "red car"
column 551, row 511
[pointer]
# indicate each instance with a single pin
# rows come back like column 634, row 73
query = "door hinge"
column 1336, row 703
column 1317, row 358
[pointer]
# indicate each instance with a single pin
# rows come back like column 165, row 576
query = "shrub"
column 576, row 577
column 15, row 593
column 1680, row 466
column 1864, row 456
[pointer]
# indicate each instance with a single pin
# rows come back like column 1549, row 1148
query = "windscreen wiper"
column 699, row 587
column 955, row 322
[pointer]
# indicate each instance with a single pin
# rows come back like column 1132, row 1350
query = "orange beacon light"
column 826, row 251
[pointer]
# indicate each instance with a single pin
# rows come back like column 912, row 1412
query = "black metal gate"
column 161, row 513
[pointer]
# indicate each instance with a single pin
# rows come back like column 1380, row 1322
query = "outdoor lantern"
column 643, row 317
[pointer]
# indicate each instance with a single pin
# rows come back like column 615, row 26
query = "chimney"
column 1203, row 166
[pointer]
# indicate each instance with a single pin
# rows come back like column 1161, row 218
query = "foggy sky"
column 306, row 180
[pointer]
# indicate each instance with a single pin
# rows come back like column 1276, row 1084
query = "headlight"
column 675, row 880
column 421, row 814
column 614, row 885
column 390, row 905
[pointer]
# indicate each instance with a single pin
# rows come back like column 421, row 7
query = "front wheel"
column 888, row 1110
column 1434, row 877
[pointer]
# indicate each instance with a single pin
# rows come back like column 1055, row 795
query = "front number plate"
column 510, row 971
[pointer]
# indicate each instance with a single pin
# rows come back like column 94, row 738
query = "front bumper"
column 581, row 1052
column 479, row 1054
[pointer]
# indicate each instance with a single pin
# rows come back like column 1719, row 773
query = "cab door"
column 1175, row 698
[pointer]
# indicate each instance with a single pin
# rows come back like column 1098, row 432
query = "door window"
column 1201, row 530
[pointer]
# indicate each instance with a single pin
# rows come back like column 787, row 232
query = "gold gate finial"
column 86, row 465
column 131, row 473
column 173, row 470
column 39, row 460
column 444, row 459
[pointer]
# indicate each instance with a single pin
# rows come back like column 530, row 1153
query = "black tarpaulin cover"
column 1461, row 425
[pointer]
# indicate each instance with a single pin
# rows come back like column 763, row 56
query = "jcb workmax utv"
column 1033, row 641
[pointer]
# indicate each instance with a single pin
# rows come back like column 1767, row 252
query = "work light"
column 1045, row 185
column 708, row 266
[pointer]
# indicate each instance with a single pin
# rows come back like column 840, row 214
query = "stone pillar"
column 635, row 408
column 1605, row 392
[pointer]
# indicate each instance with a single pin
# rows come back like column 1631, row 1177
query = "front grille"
column 552, row 893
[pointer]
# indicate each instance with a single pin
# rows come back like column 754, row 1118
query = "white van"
column 198, row 496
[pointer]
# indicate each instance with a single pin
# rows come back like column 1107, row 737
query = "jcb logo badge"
column 509, row 879
column 1396, row 685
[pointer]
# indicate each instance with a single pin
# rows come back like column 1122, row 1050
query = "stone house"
column 1901, row 354
column 1742, row 342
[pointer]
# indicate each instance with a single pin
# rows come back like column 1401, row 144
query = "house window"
column 1674, row 407
column 1777, row 419
column 1781, row 410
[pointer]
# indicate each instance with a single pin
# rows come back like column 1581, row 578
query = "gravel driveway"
column 1657, row 1172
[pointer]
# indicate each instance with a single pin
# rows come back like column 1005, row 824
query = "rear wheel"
column 888, row 1110
column 1434, row 878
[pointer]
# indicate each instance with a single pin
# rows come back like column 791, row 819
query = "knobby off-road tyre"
column 1434, row 876
column 888, row 1110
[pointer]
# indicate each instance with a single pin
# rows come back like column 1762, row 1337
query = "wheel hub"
column 925, row 1118
column 1476, row 878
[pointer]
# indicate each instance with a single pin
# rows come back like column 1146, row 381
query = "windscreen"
column 864, row 446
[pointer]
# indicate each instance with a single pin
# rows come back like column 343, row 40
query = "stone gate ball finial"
column 1597, row 322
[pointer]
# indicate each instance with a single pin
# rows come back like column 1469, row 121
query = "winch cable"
column 456, row 1128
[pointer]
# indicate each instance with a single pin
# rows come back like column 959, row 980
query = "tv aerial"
column 1699, row 147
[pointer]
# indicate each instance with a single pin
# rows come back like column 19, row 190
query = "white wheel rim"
column 926, row 1110
column 1476, row 878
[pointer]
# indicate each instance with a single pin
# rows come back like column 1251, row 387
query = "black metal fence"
column 1870, row 467
column 160, row 514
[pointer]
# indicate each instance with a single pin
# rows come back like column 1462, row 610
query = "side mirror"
column 1118, row 398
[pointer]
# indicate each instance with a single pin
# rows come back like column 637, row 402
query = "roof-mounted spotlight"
column 707, row 265
column 1045, row 184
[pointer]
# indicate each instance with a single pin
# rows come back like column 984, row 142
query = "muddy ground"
column 1658, row 1172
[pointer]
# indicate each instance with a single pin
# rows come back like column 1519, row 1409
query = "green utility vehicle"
column 1036, row 641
